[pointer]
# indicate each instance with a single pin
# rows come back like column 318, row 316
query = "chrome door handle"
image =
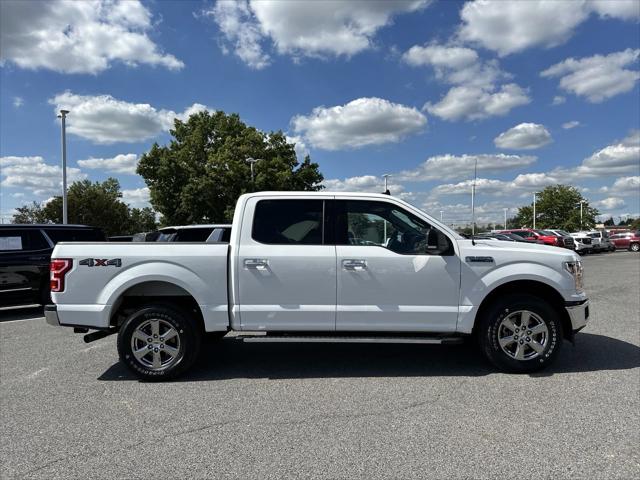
column 256, row 263
column 354, row 265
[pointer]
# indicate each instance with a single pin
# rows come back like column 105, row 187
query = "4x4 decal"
column 101, row 262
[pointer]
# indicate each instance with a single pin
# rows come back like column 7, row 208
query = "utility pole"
column 441, row 212
column 387, row 192
column 534, row 209
column 505, row 217
column 62, row 117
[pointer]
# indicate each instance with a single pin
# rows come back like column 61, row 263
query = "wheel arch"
column 532, row 287
column 154, row 292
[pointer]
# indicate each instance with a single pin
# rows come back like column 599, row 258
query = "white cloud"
column 610, row 203
column 79, row 36
column 558, row 100
column 300, row 146
column 364, row 183
column 18, row 102
column 123, row 163
column 303, row 28
column 35, row 176
column 361, row 122
column 626, row 185
column 598, row 77
column 509, row 26
column 474, row 103
column 456, row 166
column 104, row 119
column 571, row 124
column 525, row 136
column 137, row 197
column 239, row 27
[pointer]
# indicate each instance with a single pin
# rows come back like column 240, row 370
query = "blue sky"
column 538, row 92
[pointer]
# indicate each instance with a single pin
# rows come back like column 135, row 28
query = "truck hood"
column 513, row 251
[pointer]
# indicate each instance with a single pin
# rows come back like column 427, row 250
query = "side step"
column 298, row 338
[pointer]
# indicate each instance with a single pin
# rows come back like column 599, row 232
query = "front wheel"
column 158, row 342
column 520, row 333
column 634, row 247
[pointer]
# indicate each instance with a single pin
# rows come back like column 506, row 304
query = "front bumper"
column 51, row 315
column 578, row 313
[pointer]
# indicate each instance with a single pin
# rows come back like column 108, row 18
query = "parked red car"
column 536, row 236
column 628, row 240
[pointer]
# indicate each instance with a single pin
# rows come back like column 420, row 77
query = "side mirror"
column 432, row 239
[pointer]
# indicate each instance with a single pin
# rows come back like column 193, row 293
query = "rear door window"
column 289, row 222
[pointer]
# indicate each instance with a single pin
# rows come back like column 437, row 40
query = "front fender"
column 478, row 281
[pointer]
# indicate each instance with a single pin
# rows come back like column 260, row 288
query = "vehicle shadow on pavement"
column 231, row 359
column 32, row 312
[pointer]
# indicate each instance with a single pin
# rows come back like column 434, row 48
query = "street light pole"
column 386, row 182
column 505, row 217
column 441, row 212
column 62, row 117
column 251, row 161
column 534, row 209
column 581, row 203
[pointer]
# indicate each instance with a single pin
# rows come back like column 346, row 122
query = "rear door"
column 389, row 279
column 286, row 265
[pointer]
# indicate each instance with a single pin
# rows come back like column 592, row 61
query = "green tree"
column 609, row 222
column 558, row 206
column 30, row 213
column 98, row 204
column 200, row 174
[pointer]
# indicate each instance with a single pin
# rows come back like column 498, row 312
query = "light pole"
column 62, row 117
column 534, row 209
column 441, row 212
column 386, row 183
column 581, row 203
column 505, row 217
column 251, row 161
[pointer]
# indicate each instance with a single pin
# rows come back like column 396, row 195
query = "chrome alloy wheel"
column 523, row 335
column 155, row 344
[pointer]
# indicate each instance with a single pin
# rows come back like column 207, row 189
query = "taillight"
column 59, row 268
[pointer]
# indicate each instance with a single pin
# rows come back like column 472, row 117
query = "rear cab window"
column 15, row 240
column 74, row 235
column 289, row 222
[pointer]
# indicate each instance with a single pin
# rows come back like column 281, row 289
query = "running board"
column 273, row 338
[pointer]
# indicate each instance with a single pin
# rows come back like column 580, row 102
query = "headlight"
column 575, row 269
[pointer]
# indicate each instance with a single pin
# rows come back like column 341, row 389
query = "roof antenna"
column 386, row 189
column 473, row 203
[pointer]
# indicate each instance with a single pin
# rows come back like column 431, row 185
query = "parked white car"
column 583, row 243
column 293, row 271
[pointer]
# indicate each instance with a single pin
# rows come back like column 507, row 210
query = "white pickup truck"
column 314, row 267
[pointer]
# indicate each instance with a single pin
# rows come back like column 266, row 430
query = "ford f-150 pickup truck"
column 319, row 266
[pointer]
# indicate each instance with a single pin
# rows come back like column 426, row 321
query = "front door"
column 393, row 275
column 286, row 266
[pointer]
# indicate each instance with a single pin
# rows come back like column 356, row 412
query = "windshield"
column 563, row 233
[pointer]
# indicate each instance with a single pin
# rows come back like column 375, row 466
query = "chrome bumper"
column 51, row 315
column 579, row 314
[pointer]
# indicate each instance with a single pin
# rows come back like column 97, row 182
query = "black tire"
column 489, row 327
column 187, row 344
column 634, row 247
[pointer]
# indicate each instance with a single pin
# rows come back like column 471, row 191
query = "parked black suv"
column 25, row 252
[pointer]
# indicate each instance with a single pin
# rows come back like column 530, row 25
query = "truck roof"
column 202, row 225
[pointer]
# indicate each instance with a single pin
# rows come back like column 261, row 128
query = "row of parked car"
column 594, row 241
column 25, row 252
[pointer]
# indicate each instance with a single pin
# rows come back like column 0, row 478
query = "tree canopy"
column 558, row 206
column 200, row 174
column 97, row 204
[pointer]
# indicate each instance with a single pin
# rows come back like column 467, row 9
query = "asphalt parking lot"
column 70, row 410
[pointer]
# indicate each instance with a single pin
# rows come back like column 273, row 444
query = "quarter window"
column 289, row 222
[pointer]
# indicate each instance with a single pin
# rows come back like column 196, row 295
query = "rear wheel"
column 158, row 342
column 520, row 333
column 634, row 247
